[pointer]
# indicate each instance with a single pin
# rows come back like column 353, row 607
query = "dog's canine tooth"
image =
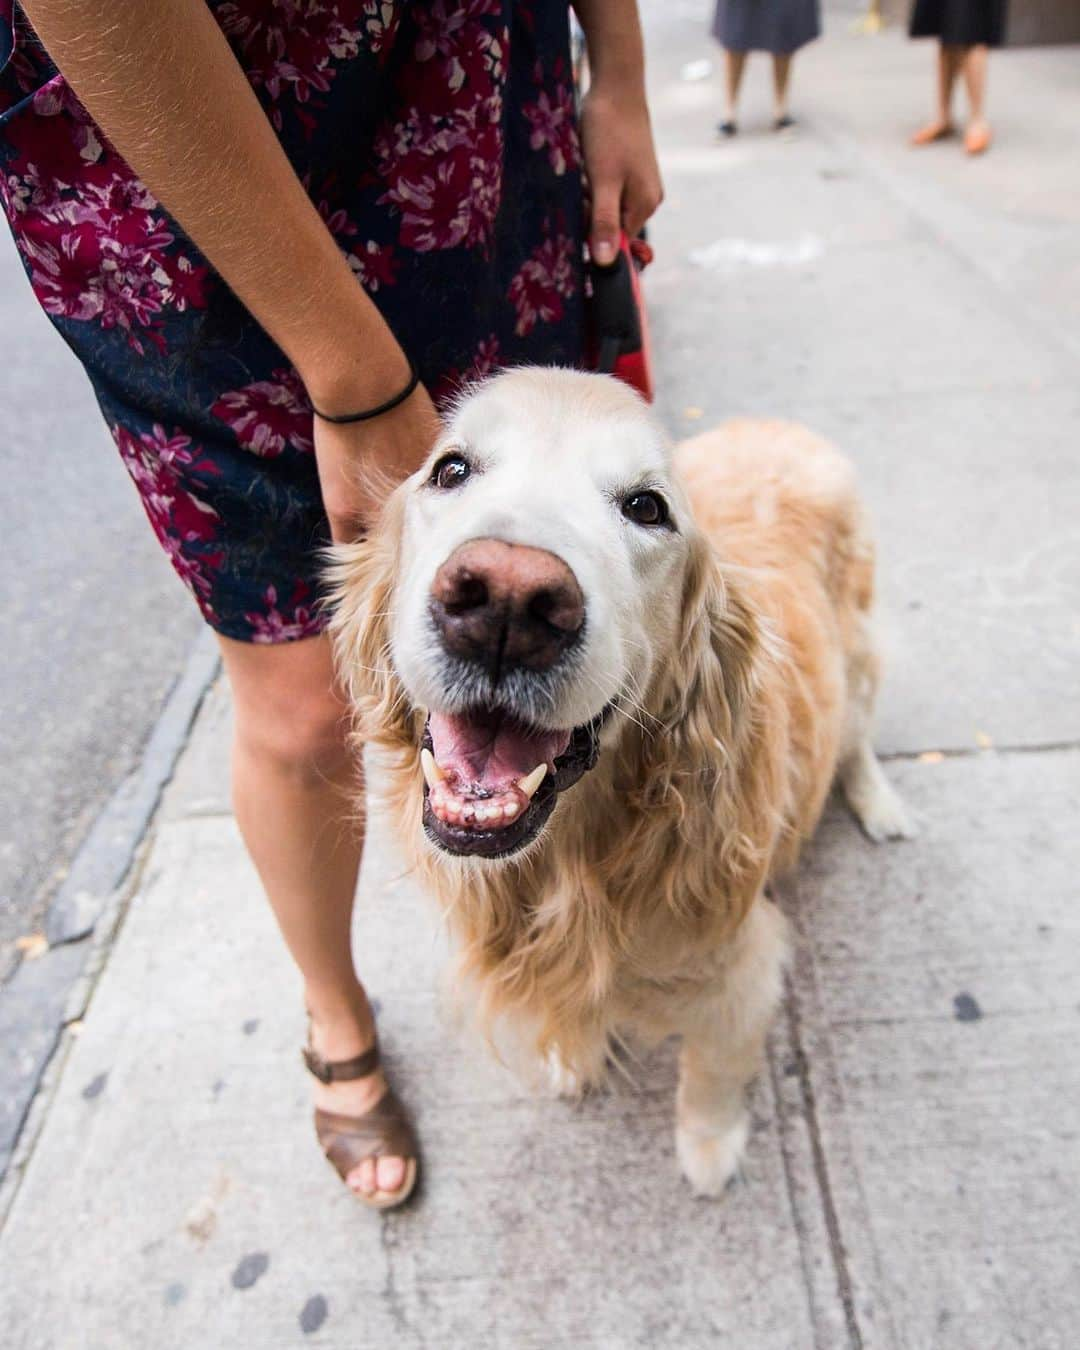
column 532, row 780
column 433, row 775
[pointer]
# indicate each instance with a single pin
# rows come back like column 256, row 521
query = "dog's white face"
column 541, row 564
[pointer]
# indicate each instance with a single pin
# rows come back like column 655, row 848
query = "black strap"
column 610, row 347
column 388, row 406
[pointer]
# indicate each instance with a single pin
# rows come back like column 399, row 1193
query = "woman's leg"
column 297, row 797
column 781, row 78
column 950, row 59
column 734, row 65
column 974, row 68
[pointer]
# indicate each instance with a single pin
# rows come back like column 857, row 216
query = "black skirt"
column 960, row 23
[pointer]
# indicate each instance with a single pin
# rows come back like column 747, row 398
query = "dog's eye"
column 451, row 471
column 645, row 508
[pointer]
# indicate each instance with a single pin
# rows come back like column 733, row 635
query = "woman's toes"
column 390, row 1173
column 362, row 1177
column 385, row 1175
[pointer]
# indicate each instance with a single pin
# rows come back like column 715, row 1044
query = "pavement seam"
column 791, row 1169
column 978, row 752
column 98, row 947
column 105, row 856
column 390, row 1293
column 844, row 1284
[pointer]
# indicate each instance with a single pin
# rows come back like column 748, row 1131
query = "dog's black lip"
column 576, row 760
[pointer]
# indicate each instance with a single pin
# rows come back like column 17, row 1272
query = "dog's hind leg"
column 723, row 1042
column 873, row 800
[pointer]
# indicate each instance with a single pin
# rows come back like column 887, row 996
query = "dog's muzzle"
column 506, row 607
column 510, row 620
column 468, row 818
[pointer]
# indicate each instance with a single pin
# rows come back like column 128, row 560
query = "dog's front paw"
column 709, row 1161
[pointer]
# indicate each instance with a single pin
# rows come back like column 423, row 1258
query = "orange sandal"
column 933, row 131
column 384, row 1131
column 978, row 138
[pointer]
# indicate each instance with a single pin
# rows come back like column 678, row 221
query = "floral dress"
column 437, row 140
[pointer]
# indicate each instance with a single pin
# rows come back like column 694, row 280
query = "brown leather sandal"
column 384, row 1131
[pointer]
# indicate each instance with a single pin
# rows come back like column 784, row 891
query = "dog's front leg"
column 723, row 1041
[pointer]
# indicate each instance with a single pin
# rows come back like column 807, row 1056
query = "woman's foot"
column 726, row 129
column 337, row 1034
column 937, row 130
column 977, row 138
column 784, row 122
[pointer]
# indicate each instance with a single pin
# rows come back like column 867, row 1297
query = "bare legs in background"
column 734, row 68
column 971, row 62
column 975, row 62
column 781, row 80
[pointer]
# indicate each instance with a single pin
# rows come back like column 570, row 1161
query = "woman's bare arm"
column 161, row 81
column 616, row 134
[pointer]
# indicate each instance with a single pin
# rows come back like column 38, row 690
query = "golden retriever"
column 613, row 686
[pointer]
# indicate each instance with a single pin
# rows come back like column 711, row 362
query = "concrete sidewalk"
column 914, row 1174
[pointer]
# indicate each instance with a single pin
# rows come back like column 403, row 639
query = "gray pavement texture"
column 49, row 985
column 97, row 624
column 914, row 1171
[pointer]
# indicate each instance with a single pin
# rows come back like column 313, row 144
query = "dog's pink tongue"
column 490, row 752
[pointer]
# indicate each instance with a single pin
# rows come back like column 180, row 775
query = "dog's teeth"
column 433, row 775
column 532, row 780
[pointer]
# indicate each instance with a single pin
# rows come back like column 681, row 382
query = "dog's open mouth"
column 491, row 780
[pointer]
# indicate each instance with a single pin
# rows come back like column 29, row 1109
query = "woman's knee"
column 289, row 712
column 303, row 736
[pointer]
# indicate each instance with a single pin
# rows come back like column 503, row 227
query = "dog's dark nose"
column 506, row 605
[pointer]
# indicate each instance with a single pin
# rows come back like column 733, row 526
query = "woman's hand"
column 620, row 162
column 361, row 463
column 616, row 135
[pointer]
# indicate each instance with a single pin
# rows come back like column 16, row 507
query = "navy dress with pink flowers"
column 438, row 141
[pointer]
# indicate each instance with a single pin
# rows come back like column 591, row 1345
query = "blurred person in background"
column 779, row 27
column 966, row 30
column 237, row 212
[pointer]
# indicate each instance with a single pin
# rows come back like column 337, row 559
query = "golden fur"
column 641, row 909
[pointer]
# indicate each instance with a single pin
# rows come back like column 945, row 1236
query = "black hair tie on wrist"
column 388, row 406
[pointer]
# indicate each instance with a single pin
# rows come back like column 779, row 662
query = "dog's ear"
column 707, row 767
column 362, row 579
column 705, row 693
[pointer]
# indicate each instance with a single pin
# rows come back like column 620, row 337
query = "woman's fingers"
column 642, row 195
column 625, row 203
column 606, row 220
column 620, row 161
